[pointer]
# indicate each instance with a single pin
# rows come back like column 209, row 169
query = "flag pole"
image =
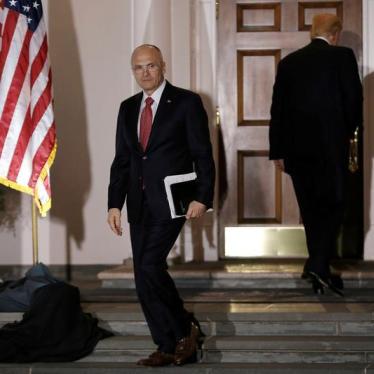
column 35, row 246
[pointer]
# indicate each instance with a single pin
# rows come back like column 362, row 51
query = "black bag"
column 15, row 296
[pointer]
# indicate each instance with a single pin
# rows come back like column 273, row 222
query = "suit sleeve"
column 351, row 90
column 276, row 130
column 198, row 138
column 120, row 169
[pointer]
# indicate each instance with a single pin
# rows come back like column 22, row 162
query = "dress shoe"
column 319, row 284
column 337, row 281
column 157, row 358
column 187, row 347
column 306, row 276
column 196, row 322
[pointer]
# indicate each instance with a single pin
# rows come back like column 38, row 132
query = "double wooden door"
column 259, row 216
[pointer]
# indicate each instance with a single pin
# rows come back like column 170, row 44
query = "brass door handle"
column 218, row 117
column 353, row 153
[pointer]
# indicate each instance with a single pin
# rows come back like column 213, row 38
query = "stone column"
column 152, row 25
column 368, row 81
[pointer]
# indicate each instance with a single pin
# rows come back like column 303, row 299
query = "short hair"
column 325, row 24
column 148, row 46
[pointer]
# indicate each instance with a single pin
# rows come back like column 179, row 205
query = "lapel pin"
column 168, row 101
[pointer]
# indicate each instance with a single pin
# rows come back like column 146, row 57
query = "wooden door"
column 259, row 215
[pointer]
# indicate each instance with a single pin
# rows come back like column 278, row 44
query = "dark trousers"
column 162, row 306
column 320, row 194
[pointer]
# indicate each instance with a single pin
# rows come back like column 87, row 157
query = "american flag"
column 27, row 127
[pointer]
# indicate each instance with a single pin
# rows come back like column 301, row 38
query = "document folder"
column 180, row 191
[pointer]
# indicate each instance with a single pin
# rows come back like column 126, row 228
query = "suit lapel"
column 133, row 116
column 163, row 109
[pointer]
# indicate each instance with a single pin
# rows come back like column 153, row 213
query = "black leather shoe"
column 320, row 283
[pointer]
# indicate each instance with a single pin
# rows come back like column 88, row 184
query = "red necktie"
column 146, row 123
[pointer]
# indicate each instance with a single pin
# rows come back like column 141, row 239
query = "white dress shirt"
column 323, row 38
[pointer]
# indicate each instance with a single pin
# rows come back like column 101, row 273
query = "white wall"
column 90, row 49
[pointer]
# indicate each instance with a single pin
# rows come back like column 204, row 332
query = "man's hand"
column 279, row 164
column 195, row 210
column 114, row 220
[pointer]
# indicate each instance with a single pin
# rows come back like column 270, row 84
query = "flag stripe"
column 20, row 147
column 7, row 37
column 41, row 157
column 42, row 194
column 38, row 60
column 7, row 55
column 27, row 129
column 42, row 83
column 14, row 128
column 14, row 90
column 43, row 102
column 1, row 23
column 47, row 185
column 38, row 38
column 36, row 140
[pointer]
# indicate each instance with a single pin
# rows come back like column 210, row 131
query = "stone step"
column 275, row 281
column 257, row 349
column 261, row 274
column 225, row 295
column 227, row 317
column 245, row 343
column 252, row 328
column 280, row 309
column 220, row 368
column 332, row 319
column 252, row 319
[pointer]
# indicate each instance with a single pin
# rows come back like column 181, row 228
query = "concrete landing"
column 269, row 327
column 123, row 368
column 267, row 274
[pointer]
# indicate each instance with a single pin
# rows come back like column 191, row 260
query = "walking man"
column 317, row 105
column 161, row 131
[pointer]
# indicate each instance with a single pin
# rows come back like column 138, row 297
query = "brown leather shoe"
column 186, row 349
column 157, row 358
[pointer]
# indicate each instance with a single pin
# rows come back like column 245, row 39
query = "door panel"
column 252, row 37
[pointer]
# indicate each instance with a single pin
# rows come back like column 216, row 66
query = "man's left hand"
column 195, row 210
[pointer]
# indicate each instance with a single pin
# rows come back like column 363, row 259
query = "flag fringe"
column 48, row 164
column 16, row 186
column 43, row 208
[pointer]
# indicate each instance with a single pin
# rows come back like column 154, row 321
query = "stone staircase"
column 260, row 329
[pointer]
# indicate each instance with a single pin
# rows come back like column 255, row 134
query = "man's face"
column 148, row 68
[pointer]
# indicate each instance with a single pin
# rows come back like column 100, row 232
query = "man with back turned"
column 317, row 105
column 161, row 131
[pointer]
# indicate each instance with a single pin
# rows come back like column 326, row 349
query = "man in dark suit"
column 317, row 105
column 161, row 131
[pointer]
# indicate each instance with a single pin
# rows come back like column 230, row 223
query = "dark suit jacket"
column 179, row 143
column 317, row 104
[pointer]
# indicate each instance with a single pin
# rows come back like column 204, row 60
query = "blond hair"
column 325, row 24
